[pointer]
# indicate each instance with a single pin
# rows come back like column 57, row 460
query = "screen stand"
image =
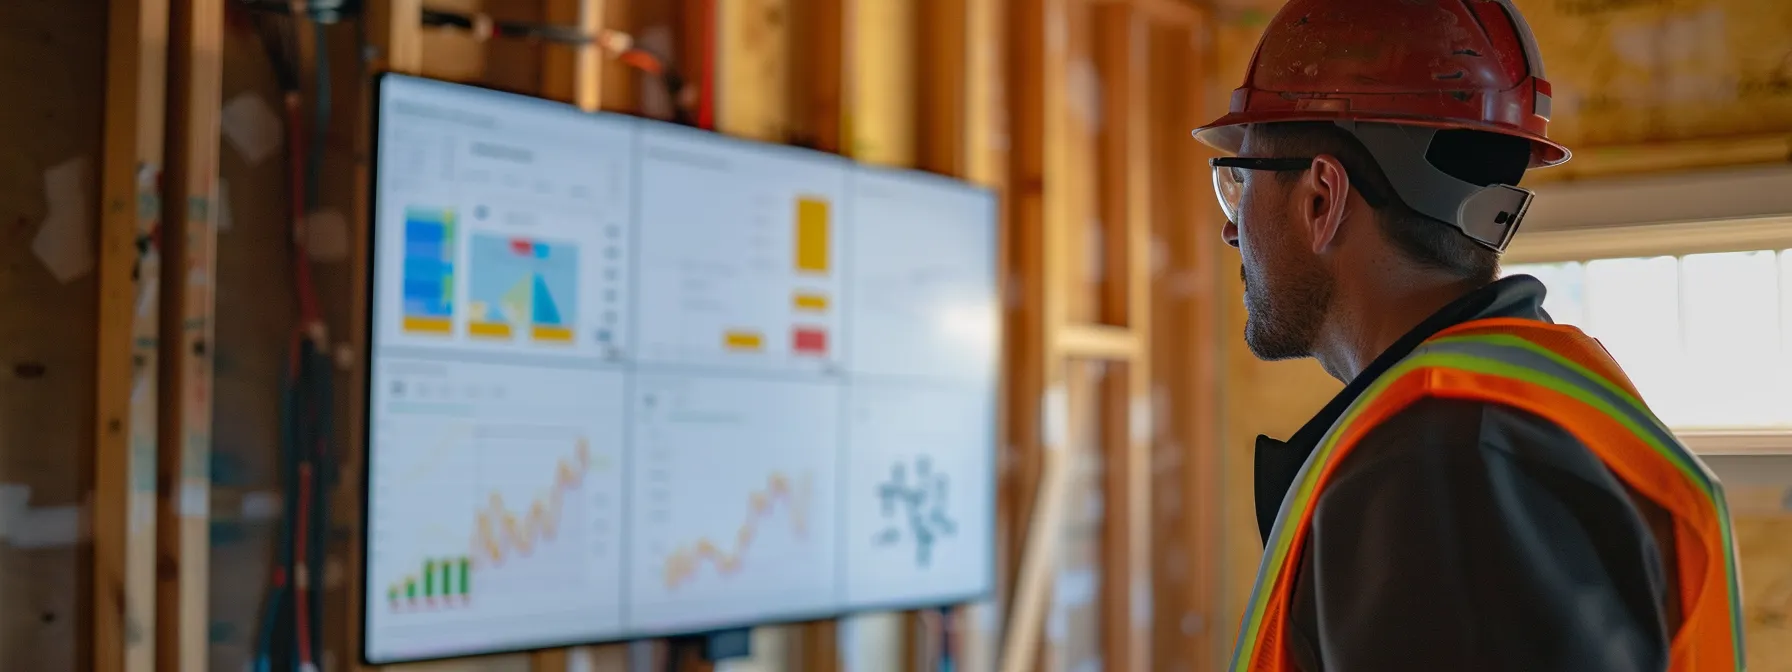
column 719, row 645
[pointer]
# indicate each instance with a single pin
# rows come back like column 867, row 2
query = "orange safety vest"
column 1559, row 373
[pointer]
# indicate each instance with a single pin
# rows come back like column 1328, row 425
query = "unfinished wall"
column 50, row 150
column 1630, row 76
column 254, row 304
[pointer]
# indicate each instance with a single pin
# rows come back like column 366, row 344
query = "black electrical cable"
column 484, row 27
column 320, row 11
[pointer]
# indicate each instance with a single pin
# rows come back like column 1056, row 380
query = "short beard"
column 1283, row 316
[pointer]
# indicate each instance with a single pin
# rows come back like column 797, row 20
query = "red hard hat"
column 1453, row 64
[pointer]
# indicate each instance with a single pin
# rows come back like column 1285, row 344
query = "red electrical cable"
column 643, row 61
column 309, row 316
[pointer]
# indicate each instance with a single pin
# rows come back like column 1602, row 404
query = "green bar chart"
column 439, row 583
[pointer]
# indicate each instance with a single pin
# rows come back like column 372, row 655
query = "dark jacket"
column 1462, row 535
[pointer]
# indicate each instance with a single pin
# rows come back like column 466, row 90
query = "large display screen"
column 628, row 379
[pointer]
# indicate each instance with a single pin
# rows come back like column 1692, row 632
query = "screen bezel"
column 370, row 292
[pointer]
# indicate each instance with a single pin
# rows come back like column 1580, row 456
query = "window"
column 1705, row 337
column 1688, row 283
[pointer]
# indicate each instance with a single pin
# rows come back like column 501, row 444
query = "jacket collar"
column 1278, row 463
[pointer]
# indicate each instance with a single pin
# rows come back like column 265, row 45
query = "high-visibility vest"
column 1562, row 375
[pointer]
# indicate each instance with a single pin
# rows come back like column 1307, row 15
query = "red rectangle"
column 809, row 341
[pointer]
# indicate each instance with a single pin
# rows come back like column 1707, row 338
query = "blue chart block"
column 428, row 264
column 546, row 312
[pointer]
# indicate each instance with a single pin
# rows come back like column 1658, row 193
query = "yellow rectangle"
column 808, row 301
column 429, row 325
column 489, row 329
column 811, row 234
column 555, row 334
column 743, row 340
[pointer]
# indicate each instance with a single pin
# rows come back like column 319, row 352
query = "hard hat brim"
column 1227, row 133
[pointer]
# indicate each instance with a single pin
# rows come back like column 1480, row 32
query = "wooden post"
column 820, row 78
column 124, row 461
column 189, row 241
column 1125, row 184
column 576, row 74
column 1188, row 357
column 1044, row 203
column 944, row 49
column 1039, row 220
column 985, row 161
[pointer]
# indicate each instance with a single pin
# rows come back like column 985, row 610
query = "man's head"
column 1402, row 129
column 1329, row 209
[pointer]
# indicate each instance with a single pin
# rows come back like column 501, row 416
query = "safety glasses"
column 1228, row 177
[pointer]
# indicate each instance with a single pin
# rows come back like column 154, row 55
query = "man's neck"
column 1369, row 315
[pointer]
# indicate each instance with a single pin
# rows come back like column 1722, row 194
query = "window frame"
column 1737, row 210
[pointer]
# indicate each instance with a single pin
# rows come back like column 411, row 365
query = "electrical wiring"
column 291, row 619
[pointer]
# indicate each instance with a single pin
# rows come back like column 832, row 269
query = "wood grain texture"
column 1187, row 351
column 48, row 333
column 189, row 282
column 752, row 72
column 1126, row 211
column 881, row 118
column 124, row 466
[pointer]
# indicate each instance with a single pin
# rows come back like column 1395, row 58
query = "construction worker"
column 1488, row 492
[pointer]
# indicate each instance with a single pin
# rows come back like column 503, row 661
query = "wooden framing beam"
column 1187, row 358
column 1125, row 187
column 1668, row 157
column 1174, row 13
column 123, row 516
column 400, row 32
column 944, row 48
column 981, row 116
column 576, row 74
column 1102, row 341
column 1039, row 218
column 820, row 82
column 189, row 243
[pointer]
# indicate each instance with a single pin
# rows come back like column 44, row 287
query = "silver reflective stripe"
column 1527, row 358
column 1516, row 352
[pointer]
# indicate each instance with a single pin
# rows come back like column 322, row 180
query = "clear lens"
column 1230, row 189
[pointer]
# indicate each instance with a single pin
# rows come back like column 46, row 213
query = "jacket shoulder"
column 1448, row 439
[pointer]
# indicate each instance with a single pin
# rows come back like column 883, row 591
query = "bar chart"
column 440, row 583
column 429, row 253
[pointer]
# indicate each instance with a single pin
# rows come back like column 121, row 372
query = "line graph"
column 504, row 540
column 733, row 516
column 500, row 531
column 683, row 564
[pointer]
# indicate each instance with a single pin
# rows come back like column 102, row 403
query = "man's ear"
column 1323, row 201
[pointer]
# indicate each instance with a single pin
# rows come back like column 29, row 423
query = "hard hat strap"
column 1488, row 215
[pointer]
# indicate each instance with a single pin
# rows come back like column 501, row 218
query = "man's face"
column 1287, row 291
